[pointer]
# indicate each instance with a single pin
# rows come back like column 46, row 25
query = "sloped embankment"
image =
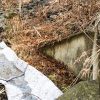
column 52, row 22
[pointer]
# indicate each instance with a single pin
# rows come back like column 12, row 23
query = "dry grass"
column 67, row 16
column 53, row 21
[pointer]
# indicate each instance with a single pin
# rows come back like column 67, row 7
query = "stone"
column 86, row 90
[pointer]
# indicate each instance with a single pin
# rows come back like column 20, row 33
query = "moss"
column 87, row 90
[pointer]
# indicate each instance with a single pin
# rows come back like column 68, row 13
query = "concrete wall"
column 68, row 51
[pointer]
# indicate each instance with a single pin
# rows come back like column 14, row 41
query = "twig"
column 1, row 91
column 37, row 31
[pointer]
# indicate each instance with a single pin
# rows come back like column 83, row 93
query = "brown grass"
column 53, row 21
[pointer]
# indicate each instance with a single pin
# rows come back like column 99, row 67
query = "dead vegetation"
column 43, row 22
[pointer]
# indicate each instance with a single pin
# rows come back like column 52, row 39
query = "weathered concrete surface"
column 69, row 50
column 87, row 90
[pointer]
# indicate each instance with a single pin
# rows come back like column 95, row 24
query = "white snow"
column 29, row 83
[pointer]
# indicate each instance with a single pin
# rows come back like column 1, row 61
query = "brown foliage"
column 54, row 20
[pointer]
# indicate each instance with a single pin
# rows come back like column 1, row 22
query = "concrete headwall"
column 69, row 50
